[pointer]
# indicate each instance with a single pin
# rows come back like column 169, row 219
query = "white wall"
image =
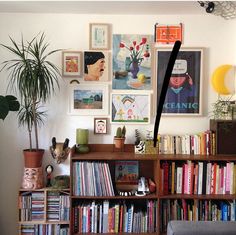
column 70, row 31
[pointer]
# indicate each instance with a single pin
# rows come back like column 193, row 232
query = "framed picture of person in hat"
column 96, row 66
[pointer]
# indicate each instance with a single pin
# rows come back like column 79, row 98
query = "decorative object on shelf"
column 82, row 136
column 61, row 182
column 143, row 189
column 100, row 125
column 151, row 186
column 31, row 64
column 99, row 36
column 60, row 151
column 8, row 103
column 139, row 145
column 119, row 138
column 126, row 193
column 168, row 34
column 72, row 63
column 131, row 57
column 32, row 178
column 49, row 170
column 222, row 81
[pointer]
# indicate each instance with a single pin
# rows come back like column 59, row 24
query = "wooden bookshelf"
column 26, row 217
column 149, row 167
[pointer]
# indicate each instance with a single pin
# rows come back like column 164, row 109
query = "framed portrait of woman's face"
column 184, row 93
column 100, row 125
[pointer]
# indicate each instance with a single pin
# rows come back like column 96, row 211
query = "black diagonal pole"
column 164, row 88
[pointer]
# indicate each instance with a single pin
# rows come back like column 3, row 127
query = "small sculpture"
column 60, row 151
column 49, row 170
column 32, row 178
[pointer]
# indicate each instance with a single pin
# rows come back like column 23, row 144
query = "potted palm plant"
column 34, row 78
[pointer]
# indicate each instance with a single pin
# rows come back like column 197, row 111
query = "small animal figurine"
column 49, row 170
column 59, row 151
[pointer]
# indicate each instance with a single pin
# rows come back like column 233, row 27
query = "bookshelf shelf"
column 46, row 209
column 151, row 166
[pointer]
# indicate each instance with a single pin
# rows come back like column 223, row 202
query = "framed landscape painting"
column 131, row 62
column 185, row 87
column 130, row 108
column 72, row 62
column 88, row 100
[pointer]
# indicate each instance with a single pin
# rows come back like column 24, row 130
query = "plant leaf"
column 4, row 108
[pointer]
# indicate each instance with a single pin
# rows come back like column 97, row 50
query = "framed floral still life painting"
column 130, row 108
column 183, row 95
column 88, row 100
column 131, row 62
column 100, row 125
column 99, row 36
column 72, row 62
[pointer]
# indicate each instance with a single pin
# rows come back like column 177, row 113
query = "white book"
column 231, row 177
column 105, row 216
column 224, row 180
column 208, row 178
column 179, row 183
column 200, row 176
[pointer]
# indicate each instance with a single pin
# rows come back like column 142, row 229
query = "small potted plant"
column 119, row 139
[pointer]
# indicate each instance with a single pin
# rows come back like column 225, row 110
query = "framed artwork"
column 168, row 34
column 100, row 125
column 130, row 108
column 131, row 62
column 96, row 66
column 99, row 36
column 185, row 87
column 88, row 100
column 72, row 63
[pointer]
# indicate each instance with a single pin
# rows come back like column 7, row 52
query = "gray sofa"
column 201, row 228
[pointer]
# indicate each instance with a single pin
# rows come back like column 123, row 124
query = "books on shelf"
column 198, row 177
column 92, row 179
column 115, row 217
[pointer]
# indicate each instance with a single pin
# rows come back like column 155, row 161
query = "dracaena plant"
column 33, row 77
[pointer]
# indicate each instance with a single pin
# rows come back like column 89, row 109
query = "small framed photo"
column 100, row 125
column 88, row 100
column 99, row 36
column 72, row 64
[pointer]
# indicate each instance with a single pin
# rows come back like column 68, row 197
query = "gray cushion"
column 201, row 228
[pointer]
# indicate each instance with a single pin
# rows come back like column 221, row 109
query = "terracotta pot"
column 33, row 159
column 119, row 142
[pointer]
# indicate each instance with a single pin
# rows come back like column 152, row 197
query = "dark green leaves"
column 8, row 103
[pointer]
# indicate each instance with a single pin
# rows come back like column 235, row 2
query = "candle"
column 82, row 136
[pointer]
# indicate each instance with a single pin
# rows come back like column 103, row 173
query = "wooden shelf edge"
column 44, row 222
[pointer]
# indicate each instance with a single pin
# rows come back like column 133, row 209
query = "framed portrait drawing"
column 88, row 100
column 96, row 66
column 99, row 36
column 184, row 94
column 130, row 107
column 72, row 63
column 100, row 125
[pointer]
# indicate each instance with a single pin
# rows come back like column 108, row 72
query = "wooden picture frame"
column 88, row 100
column 100, row 125
column 184, row 94
column 130, row 108
column 99, row 36
column 72, row 64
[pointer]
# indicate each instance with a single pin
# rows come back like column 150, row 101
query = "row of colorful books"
column 202, row 143
column 202, row 210
column 92, row 179
column 107, row 217
column 44, row 229
column 198, row 177
column 58, row 207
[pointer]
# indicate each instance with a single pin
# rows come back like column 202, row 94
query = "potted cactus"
column 119, row 139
